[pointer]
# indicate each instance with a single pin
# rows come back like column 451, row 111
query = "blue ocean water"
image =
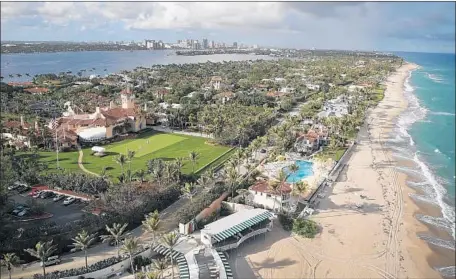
column 425, row 134
column 305, row 170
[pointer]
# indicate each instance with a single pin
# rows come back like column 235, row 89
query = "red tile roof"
column 216, row 78
column 21, row 84
column 275, row 94
column 264, row 187
column 16, row 124
column 37, row 90
column 162, row 91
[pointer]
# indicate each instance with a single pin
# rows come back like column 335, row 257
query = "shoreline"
column 368, row 221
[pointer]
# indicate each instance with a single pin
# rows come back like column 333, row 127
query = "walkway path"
column 168, row 130
column 81, row 164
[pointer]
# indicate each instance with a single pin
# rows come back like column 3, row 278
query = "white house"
column 287, row 90
column 262, row 194
column 280, row 80
column 336, row 107
column 311, row 86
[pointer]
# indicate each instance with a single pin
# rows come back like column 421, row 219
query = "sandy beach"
column 377, row 240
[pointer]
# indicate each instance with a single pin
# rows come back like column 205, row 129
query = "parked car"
column 23, row 189
column 58, row 198
column 69, row 201
column 37, row 194
column 16, row 185
column 18, row 209
column 47, row 194
column 23, row 212
column 51, row 261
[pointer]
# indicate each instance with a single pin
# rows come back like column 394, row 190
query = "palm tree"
column 160, row 265
column 151, row 225
column 300, row 188
column 152, row 275
column 10, row 260
column 277, row 185
column 82, row 242
column 130, row 247
column 188, row 189
column 141, row 174
column 179, row 163
column 293, row 168
column 193, row 157
column 130, row 155
column 42, row 251
column 170, row 240
column 121, row 159
column 232, row 177
column 116, row 234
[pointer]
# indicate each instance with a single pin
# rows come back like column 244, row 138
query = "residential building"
column 105, row 122
column 225, row 96
column 216, row 82
column 307, row 143
column 235, row 45
column 205, row 44
column 311, row 86
column 280, row 80
column 37, row 90
column 287, row 90
column 337, row 107
column 161, row 93
column 263, row 194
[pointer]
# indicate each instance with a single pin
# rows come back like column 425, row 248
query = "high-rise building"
column 235, row 45
column 205, row 44
column 212, row 44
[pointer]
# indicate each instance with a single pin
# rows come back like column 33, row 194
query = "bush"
column 306, row 228
column 286, row 222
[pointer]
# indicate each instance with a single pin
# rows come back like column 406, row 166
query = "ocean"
column 425, row 135
column 95, row 62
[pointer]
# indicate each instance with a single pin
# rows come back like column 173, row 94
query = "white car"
column 51, row 261
column 58, row 197
column 69, row 201
column 23, row 212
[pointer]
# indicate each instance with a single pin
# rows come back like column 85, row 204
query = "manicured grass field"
column 67, row 160
column 164, row 146
column 329, row 153
column 144, row 146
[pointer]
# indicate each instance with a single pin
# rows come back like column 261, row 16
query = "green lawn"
column 164, row 146
column 161, row 145
column 329, row 153
column 67, row 160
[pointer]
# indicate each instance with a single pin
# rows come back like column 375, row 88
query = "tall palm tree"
column 179, row 162
column 152, row 275
column 121, row 159
column 130, row 155
column 170, row 240
column 193, row 157
column 42, row 251
column 277, row 185
column 10, row 260
column 152, row 225
column 130, row 247
column 160, row 265
column 300, row 188
column 188, row 189
column 293, row 168
column 115, row 233
column 82, row 242
column 232, row 177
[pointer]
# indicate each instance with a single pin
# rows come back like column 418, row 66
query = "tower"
column 127, row 98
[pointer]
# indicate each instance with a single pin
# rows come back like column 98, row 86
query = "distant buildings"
column 152, row 44
column 235, row 45
column 337, row 107
column 205, row 44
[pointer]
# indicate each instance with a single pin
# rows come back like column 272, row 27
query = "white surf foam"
column 431, row 185
column 435, row 78
column 447, row 271
column 435, row 221
column 442, row 113
column 448, row 244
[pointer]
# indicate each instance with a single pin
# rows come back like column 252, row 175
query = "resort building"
column 312, row 140
column 104, row 123
column 230, row 232
column 263, row 195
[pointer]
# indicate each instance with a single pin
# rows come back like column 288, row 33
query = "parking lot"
column 61, row 213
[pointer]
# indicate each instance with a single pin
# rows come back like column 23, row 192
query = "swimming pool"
column 305, row 170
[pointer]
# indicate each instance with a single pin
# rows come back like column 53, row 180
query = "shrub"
column 286, row 222
column 305, row 227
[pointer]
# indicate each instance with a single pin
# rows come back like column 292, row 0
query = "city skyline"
column 400, row 26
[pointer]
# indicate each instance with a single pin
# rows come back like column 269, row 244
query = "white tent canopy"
column 93, row 134
column 98, row 149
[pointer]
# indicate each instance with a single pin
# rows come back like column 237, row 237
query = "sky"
column 381, row 26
